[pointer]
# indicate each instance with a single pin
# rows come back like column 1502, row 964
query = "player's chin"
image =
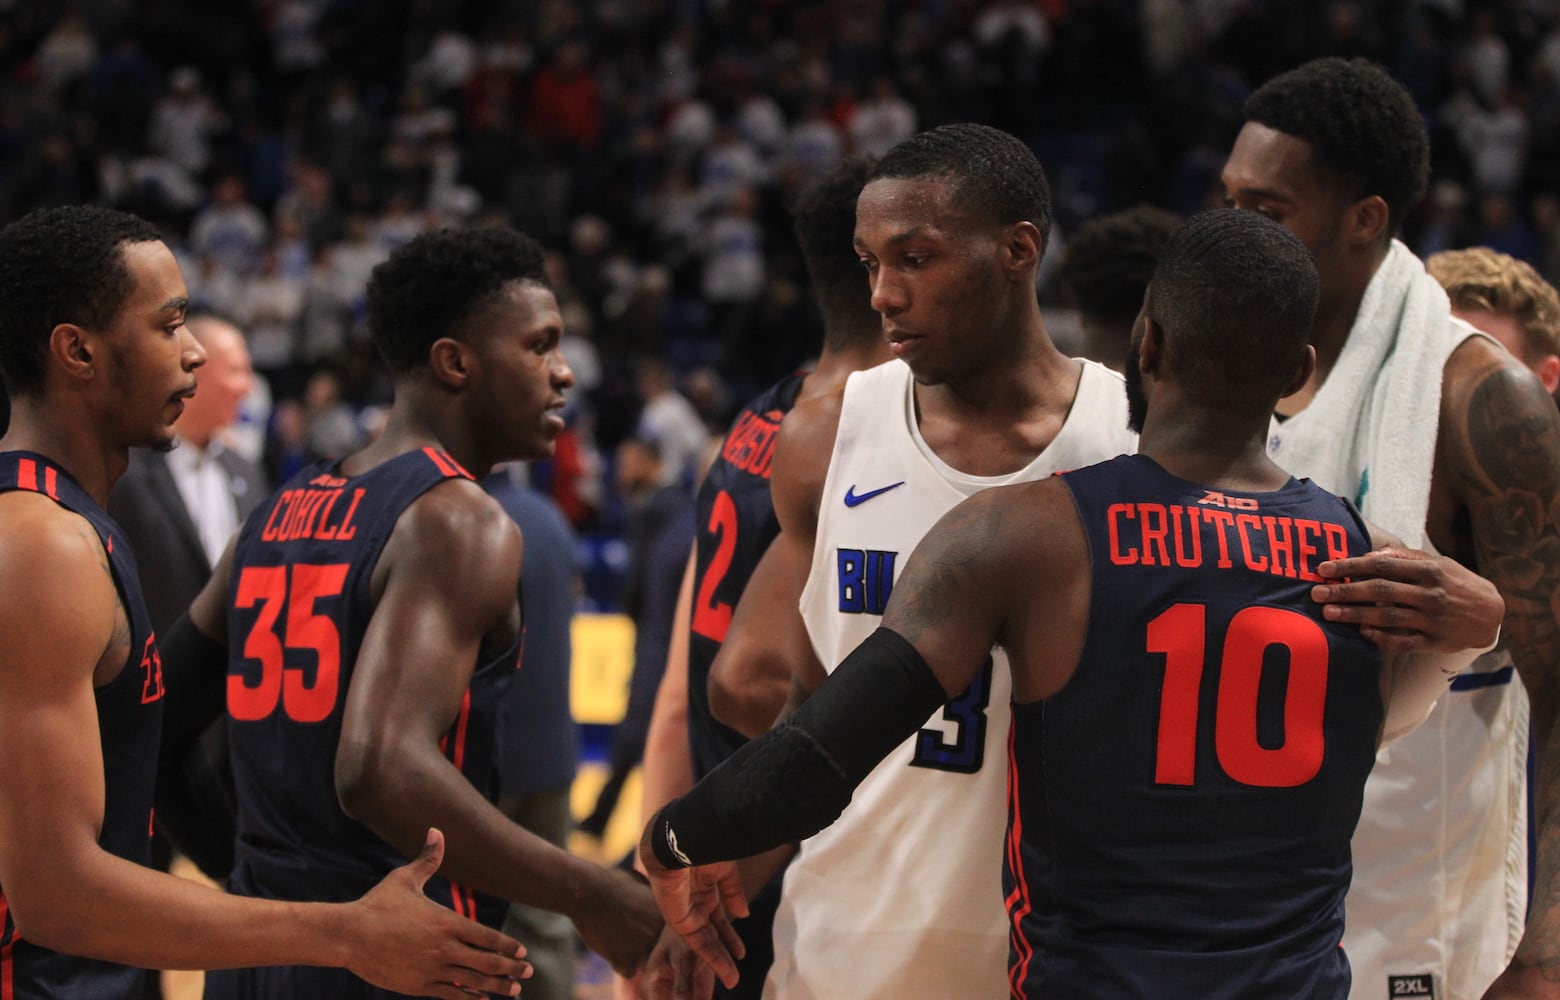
column 163, row 439
column 540, row 445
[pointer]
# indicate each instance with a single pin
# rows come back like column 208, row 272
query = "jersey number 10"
column 1180, row 633
column 268, row 586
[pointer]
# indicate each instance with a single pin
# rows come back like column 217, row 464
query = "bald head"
column 220, row 385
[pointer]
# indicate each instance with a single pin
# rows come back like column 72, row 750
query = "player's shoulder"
column 458, row 518
column 47, row 550
column 34, row 529
column 1494, row 411
column 460, row 502
column 1479, row 364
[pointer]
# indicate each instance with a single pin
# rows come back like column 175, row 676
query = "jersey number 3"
column 1181, row 634
column 962, row 749
column 303, row 699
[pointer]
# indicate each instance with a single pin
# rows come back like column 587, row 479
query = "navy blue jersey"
column 299, row 604
column 735, row 518
column 1180, row 813
column 129, row 710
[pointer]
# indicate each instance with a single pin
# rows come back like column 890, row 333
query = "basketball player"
column 96, row 360
column 1444, row 439
column 1191, row 732
column 368, row 617
column 736, row 522
column 951, row 226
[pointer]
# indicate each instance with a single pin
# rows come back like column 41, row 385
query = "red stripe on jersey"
column 1019, row 902
column 457, row 901
column 51, row 482
column 458, row 755
column 437, row 458
column 7, row 958
column 446, row 464
column 27, row 475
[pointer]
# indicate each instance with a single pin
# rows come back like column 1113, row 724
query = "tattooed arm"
column 1500, row 454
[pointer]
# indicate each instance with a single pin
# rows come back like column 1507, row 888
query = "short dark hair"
column 1361, row 124
column 1110, row 260
column 437, row 280
column 824, row 220
column 994, row 174
column 1235, row 293
column 61, row 265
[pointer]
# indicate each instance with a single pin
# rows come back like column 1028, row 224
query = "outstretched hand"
column 398, row 939
column 699, row 903
column 619, row 922
column 674, row 972
column 1405, row 600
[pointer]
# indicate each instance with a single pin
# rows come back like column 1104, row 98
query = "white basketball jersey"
column 902, row 896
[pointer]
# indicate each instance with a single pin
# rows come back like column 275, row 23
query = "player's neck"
column 1198, row 445
column 73, row 445
column 1034, row 377
column 835, row 366
column 410, row 428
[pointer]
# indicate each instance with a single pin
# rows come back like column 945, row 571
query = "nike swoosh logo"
column 852, row 498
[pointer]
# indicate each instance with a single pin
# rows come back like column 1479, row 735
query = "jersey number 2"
column 1181, row 634
column 302, row 699
column 711, row 618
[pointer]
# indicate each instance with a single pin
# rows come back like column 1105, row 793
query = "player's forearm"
column 668, row 761
column 400, row 791
column 174, row 923
column 795, row 780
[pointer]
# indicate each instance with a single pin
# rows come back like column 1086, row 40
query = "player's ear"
column 1302, row 374
column 73, row 348
column 1023, row 249
column 1368, row 219
column 1151, row 346
column 450, row 362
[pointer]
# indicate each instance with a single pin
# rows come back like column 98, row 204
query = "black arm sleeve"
column 796, row 779
column 194, row 797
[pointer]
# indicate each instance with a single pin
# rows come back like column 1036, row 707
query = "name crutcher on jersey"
column 1228, row 529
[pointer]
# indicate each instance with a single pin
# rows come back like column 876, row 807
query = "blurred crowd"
column 287, row 146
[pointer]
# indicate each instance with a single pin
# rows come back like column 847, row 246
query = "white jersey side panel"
column 1440, row 853
column 902, row 896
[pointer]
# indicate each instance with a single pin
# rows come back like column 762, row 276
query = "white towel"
column 1369, row 433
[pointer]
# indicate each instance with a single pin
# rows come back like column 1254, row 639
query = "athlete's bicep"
column 449, row 582
column 949, row 602
column 56, row 624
